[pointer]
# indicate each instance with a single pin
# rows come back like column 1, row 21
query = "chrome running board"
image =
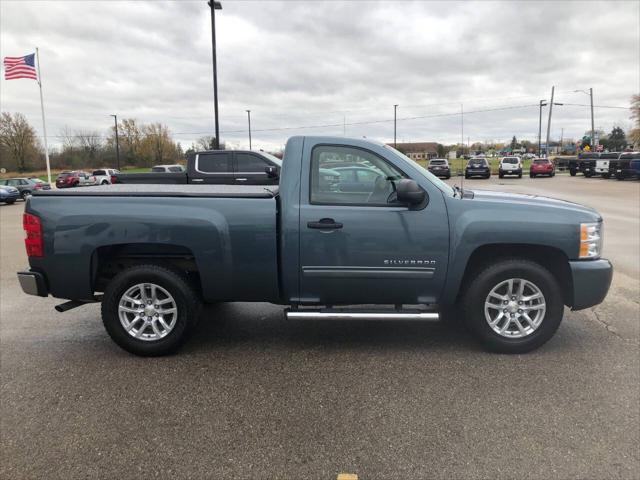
column 351, row 315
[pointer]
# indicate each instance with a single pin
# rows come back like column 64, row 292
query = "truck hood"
column 532, row 200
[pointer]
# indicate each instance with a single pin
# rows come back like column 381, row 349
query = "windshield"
column 541, row 160
column 438, row 162
column 509, row 160
column 426, row 173
column 477, row 161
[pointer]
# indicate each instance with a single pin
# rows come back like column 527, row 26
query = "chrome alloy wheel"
column 147, row 312
column 515, row 308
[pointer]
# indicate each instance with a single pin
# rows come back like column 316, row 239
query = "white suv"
column 510, row 166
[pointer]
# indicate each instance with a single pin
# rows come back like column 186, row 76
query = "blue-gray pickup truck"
column 400, row 244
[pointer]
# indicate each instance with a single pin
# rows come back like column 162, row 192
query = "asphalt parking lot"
column 255, row 396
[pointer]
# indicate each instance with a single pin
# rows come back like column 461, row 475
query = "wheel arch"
column 553, row 259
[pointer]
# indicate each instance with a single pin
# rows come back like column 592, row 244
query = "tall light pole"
column 546, row 150
column 593, row 130
column 115, row 119
column 249, row 119
column 215, row 6
column 542, row 104
column 395, row 117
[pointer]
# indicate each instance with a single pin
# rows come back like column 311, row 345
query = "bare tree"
column 634, row 134
column 18, row 139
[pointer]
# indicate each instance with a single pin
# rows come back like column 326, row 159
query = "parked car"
column 634, row 166
column 168, row 169
column 602, row 163
column 353, row 179
column 586, row 163
column 439, row 167
column 105, row 176
column 510, row 166
column 409, row 248
column 622, row 166
column 477, row 167
column 8, row 194
column 226, row 167
column 26, row 185
column 75, row 179
column 542, row 166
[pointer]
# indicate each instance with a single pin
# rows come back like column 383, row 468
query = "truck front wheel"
column 149, row 310
column 513, row 306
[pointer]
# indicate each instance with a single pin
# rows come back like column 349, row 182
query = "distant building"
column 418, row 150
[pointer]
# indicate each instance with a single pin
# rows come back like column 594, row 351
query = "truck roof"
column 166, row 190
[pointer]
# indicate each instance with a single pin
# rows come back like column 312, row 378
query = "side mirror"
column 409, row 192
column 271, row 171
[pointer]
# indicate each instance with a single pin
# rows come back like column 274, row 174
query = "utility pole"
column 249, row 118
column 593, row 130
column 115, row 120
column 546, row 150
column 395, row 117
column 542, row 104
column 561, row 139
column 214, row 5
column 462, row 144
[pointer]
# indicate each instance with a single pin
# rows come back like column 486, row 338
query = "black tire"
column 24, row 194
column 606, row 176
column 572, row 173
column 532, row 175
column 619, row 177
column 485, row 279
column 185, row 296
column 500, row 175
column 466, row 176
column 104, row 183
column 10, row 202
column 520, row 175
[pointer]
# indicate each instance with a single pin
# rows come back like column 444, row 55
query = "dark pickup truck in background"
column 408, row 246
column 221, row 167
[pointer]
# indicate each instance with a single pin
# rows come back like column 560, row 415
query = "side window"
column 13, row 183
column 375, row 186
column 214, row 163
column 248, row 163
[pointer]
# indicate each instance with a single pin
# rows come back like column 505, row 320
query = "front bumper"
column 10, row 197
column 33, row 283
column 477, row 171
column 591, row 282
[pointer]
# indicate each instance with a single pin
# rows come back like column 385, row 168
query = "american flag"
column 20, row 67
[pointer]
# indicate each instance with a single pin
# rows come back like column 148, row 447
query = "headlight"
column 590, row 240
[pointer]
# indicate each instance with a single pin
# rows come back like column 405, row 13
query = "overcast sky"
column 335, row 67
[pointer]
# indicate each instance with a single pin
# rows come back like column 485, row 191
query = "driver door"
column 362, row 246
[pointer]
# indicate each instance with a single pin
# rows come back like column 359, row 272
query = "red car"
column 74, row 179
column 542, row 166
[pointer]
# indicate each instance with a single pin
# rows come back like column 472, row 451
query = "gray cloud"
column 318, row 63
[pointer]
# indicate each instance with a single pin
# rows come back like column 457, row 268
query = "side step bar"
column 346, row 315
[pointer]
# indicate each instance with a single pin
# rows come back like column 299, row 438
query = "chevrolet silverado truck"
column 411, row 247
column 219, row 167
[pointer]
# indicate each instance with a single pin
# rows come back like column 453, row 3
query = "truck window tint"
column 214, row 163
column 332, row 183
column 175, row 169
column 248, row 163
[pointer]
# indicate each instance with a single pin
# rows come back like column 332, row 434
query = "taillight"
column 33, row 228
column 114, row 179
column 37, row 186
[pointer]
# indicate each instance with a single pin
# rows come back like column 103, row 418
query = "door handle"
column 241, row 179
column 325, row 224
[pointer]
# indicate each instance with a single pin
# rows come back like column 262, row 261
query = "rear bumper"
column 591, row 281
column 33, row 283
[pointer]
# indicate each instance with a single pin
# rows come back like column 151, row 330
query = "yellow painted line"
column 347, row 476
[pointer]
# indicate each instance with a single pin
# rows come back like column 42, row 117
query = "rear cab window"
column 218, row 162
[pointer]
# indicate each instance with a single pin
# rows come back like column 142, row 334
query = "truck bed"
column 166, row 190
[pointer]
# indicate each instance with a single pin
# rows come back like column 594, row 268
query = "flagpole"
column 44, row 125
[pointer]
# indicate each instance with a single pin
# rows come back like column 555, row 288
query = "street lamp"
column 249, row 119
column 115, row 119
column 543, row 103
column 395, row 111
column 215, row 6
column 593, row 130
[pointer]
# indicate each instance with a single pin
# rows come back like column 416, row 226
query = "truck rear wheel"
column 149, row 310
column 513, row 306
